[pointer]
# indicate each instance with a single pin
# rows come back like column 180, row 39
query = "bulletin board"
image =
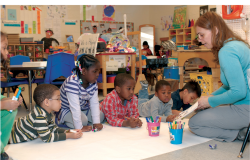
column 102, row 26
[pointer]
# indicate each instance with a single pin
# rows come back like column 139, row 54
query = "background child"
column 159, row 105
column 79, row 94
column 7, row 118
column 40, row 121
column 146, row 51
column 183, row 97
column 120, row 105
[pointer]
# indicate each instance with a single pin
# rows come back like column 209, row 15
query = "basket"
column 205, row 81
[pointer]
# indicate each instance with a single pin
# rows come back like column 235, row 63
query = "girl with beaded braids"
column 7, row 118
column 79, row 95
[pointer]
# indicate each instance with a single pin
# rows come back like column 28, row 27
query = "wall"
column 136, row 14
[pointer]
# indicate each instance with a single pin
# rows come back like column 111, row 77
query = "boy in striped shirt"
column 39, row 122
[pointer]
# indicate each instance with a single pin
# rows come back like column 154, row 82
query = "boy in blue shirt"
column 183, row 97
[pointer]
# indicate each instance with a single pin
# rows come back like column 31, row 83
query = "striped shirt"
column 73, row 85
column 37, row 123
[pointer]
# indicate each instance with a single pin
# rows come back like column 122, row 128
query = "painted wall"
column 138, row 14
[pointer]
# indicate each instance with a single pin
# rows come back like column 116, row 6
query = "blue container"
column 176, row 136
column 171, row 72
column 185, row 47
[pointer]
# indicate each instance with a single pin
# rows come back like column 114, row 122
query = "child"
column 160, row 104
column 47, row 40
column 94, row 29
column 79, row 94
column 40, row 121
column 146, row 51
column 7, row 118
column 109, row 30
column 120, row 105
column 183, row 97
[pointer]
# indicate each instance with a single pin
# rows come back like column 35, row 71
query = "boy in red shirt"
column 120, row 105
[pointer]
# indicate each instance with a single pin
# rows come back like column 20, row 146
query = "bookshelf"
column 184, row 36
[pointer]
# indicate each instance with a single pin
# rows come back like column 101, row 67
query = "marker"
column 147, row 119
column 16, row 95
column 160, row 120
column 152, row 119
column 73, row 131
column 94, row 130
column 156, row 119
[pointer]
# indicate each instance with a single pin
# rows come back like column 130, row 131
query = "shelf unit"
column 34, row 51
column 184, row 36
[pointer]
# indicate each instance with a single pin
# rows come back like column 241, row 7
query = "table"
column 20, row 67
column 103, row 58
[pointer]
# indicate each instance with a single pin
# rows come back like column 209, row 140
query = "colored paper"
column 84, row 12
column 38, row 22
column 34, row 27
column 26, row 28
column 179, row 17
column 11, row 25
column 108, row 13
column 12, row 14
column 70, row 23
column 3, row 13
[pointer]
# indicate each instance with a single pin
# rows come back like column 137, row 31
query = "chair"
column 38, row 80
column 15, row 82
column 59, row 64
column 88, row 44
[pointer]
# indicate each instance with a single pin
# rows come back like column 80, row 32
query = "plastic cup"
column 176, row 136
column 153, row 129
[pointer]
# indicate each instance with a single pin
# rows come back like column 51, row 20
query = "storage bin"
column 111, row 78
column 28, row 39
column 171, row 72
column 205, row 81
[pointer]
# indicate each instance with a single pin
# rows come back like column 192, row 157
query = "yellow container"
column 205, row 81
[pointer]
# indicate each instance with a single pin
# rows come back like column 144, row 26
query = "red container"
column 111, row 79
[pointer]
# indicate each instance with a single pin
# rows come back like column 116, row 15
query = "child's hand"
column 9, row 104
column 139, row 122
column 76, row 135
column 86, row 128
column 132, row 122
column 170, row 118
column 20, row 100
column 176, row 112
column 99, row 126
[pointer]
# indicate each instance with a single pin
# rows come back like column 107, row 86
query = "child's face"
column 94, row 29
column 127, row 90
column 91, row 74
column 145, row 46
column 4, row 50
column 164, row 93
column 55, row 101
column 189, row 97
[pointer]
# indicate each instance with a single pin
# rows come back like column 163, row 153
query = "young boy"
column 160, row 104
column 183, row 97
column 120, row 105
column 39, row 122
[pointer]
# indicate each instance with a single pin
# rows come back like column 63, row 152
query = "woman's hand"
column 9, row 104
column 203, row 102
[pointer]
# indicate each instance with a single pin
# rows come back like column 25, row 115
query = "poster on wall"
column 3, row 12
column 166, row 22
column 12, row 14
column 179, row 19
column 108, row 13
column 91, row 12
column 203, row 10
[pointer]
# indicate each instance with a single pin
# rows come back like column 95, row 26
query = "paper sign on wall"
column 112, row 66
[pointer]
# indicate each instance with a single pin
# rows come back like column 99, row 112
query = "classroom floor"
column 224, row 151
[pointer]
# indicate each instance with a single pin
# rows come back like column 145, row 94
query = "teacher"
column 228, row 118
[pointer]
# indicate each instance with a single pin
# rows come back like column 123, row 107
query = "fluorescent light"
column 145, row 35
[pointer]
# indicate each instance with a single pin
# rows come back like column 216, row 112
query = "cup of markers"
column 153, row 127
column 176, row 132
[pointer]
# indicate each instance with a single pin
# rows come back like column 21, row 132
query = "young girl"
column 79, row 95
column 146, row 51
column 7, row 118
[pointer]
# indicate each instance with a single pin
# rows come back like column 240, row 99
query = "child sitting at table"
column 40, row 122
column 146, row 51
column 183, row 97
column 79, row 94
column 160, row 105
column 120, row 105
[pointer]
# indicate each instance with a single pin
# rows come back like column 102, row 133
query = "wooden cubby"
column 184, row 36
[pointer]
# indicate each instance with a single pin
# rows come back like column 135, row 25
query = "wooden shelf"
column 182, row 34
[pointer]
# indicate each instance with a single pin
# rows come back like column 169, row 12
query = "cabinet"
column 184, row 36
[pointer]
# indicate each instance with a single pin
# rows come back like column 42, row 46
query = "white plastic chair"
column 88, row 44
